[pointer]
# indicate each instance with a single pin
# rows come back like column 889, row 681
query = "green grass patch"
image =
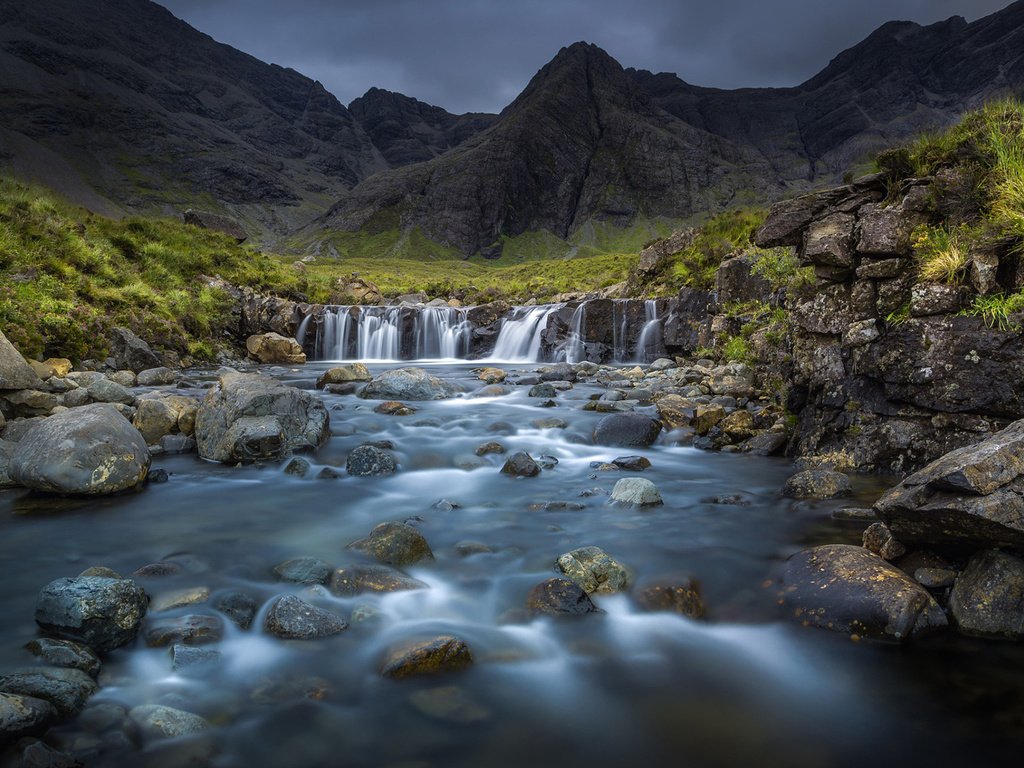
column 721, row 237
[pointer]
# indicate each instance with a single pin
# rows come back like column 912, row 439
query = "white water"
column 575, row 349
column 520, row 337
column 375, row 333
column 648, row 344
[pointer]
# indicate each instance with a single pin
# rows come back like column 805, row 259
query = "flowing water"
column 620, row 688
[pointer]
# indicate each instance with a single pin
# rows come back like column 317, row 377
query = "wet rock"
column 849, row 589
column 65, row 653
column 550, row 423
column 542, row 390
column 450, row 704
column 706, row 418
column 23, row 715
column 247, row 417
column 594, row 570
column 173, row 444
column 192, row 629
column 490, row 447
column 445, row 653
column 32, row 753
column 297, row 467
column 682, row 597
column 394, row 408
column 878, row 538
column 546, row 462
column 15, row 372
column 636, row 491
column 492, row 375
column 935, row 578
column 304, row 570
column 158, row 569
column 854, row 515
column 239, row 607
column 557, row 506
column 470, row 548
column 632, row 463
column 197, row 660
column 988, row 596
column 179, row 598
column 343, row 374
column 559, row 597
column 369, row 461
column 765, row 444
column 67, row 689
column 409, row 384
column 91, row 450
column 156, row 377
column 817, row 484
column 107, row 391
column 633, row 430
column 156, row 417
column 394, row 544
column 357, row 579
column 103, row 613
column 159, row 722
column 521, row 464
column 292, row 618
column 274, row 348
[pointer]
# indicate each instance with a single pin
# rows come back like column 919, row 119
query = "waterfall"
column 520, row 336
column 575, row 349
column 620, row 330
column 442, row 332
column 649, row 342
column 375, row 333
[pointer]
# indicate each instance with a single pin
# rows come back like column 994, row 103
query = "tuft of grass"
column 997, row 310
column 942, row 253
column 717, row 239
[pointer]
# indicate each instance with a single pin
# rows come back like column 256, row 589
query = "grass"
column 997, row 310
column 717, row 239
column 942, row 253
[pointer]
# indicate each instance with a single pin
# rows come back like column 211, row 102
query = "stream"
column 624, row 687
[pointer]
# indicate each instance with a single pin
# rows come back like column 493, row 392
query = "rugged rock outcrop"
column 274, row 348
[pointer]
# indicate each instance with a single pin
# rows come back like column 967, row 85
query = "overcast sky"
column 477, row 55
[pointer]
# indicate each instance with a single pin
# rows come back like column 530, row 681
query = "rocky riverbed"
column 384, row 565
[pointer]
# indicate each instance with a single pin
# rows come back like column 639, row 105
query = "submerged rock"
column 159, row 722
column 92, row 450
column 682, row 597
column 23, row 716
column 559, row 597
column 291, row 618
column 65, row 653
column 239, row 607
column 101, row 612
column 849, row 589
column 988, row 596
column 395, row 544
column 192, row 629
column 409, row 384
column 445, row 653
column 304, row 570
column 627, row 430
column 817, row 484
column 356, row 579
column 369, row 461
column 67, row 689
column 594, row 570
column 520, row 464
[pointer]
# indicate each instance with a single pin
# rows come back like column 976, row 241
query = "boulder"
column 682, row 596
column 51, row 366
column 675, row 411
column 736, row 283
column 156, row 417
column 65, row 653
column 15, row 372
column 884, row 231
column 239, row 607
column 444, row 653
column 409, row 384
column 304, row 570
column 130, row 352
column 91, row 450
column 492, row 375
column 23, row 716
column 357, row 579
column 368, row 461
column 343, row 374
column 274, row 348
column 354, row 290
column 849, row 589
column 191, row 629
column 292, row 618
column 636, row 491
column 520, row 464
column 394, row 544
column 107, row 391
column 156, row 377
column 594, row 570
column 559, row 597
column 67, row 689
column 247, row 417
column 632, row 430
column 988, row 596
column 817, row 484
column 216, row 222
column 156, row 721
column 828, row 242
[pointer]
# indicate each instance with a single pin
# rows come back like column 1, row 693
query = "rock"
column 490, row 447
column 31, row 402
column 304, row 570
column 936, row 299
column 468, row 548
column 633, row 430
column 394, row 544
column 356, row 579
column 828, row 242
column 817, row 484
column 682, row 597
column 239, row 607
column 108, row 391
column 520, row 464
column 274, row 348
column 550, row 423
column 935, row 578
column 247, row 417
column 15, row 372
column 883, row 230
column 65, row 653
column 156, row 377
column 368, row 461
column 787, row 220
column 409, row 384
column 450, row 704
column 102, row 613
column 636, row 491
column 878, row 538
column 121, row 378
column 67, row 689
column 394, row 408
column 156, row 417
column 159, row 722
column 191, row 629
column 444, row 653
column 131, row 352
column 216, row 222
column 76, row 398
column 292, row 618
column 735, row 283
column 849, row 589
column 179, row 598
column 632, row 463
column 706, row 418
column 188, row 657
column 988, row 596
column 50, row 367
column 91, row 450
column 675, row 411
column 542, row 390
column 343, row 374
column 765, row 444
column 492, row 375
column 594, row 570
column 23, row 715
column 559, row 597
column 297, row 467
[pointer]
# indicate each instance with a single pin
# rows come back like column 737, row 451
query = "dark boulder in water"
column 633, row 430
column 103, row 613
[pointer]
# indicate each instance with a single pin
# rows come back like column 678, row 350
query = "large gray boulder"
column 631, row 430
column 15, row 372
column 409, row 384
column 103, row 613
column 130, row 352
column 988, row 597
column 91, row 450
column 247, row 417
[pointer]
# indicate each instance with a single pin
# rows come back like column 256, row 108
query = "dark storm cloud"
column 469, row 55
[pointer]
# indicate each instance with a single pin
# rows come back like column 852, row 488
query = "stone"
column 66, row 688
column 343, row 374
column 542, row 390
column 239, row 607
column 632, row 463
column 353, row 290
column 394, row 543
column 735, row 283
column 450, row 704
column 878, row 538
column 817, row 484
column 23, row 716
column 675, row 411
column 124, row 379
column 520, row 464
column 681, row 596
column 787, row 220
column 861, row 333
column 594, row 570
column 65, row 653
column 130, row 352
column 370, row 461
column 291, row 618
column 936, row 299
column 50, row 367
column 191, row 629
column 156, row 377
column 102, row 613
column 89, row 451
column 357, row 579
column 706, row 418
column 31, row 402
column 559, row 597
column 849, row 589
column 198, row 660
column 552, row 422
column 413, row 384
column 15, row 372
column 988, row 596
column 485, row 449
column 274, row 348
column 935, row 578
column 636, row 491
column 159, row 722
column 156, row 417
column 436, row 655
column 247, row 417
column 882, row 269
column 394, row 408
column 630, row 430
column 884, row 231
column 179, row 598
column 304, row 570
column 108, row 391
column 492, row 375
column 828, row 242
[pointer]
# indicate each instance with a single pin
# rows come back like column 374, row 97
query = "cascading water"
column 520, row 337
column 575, row 348
column 649, row 344
column 442, row 333
column 620, row 330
